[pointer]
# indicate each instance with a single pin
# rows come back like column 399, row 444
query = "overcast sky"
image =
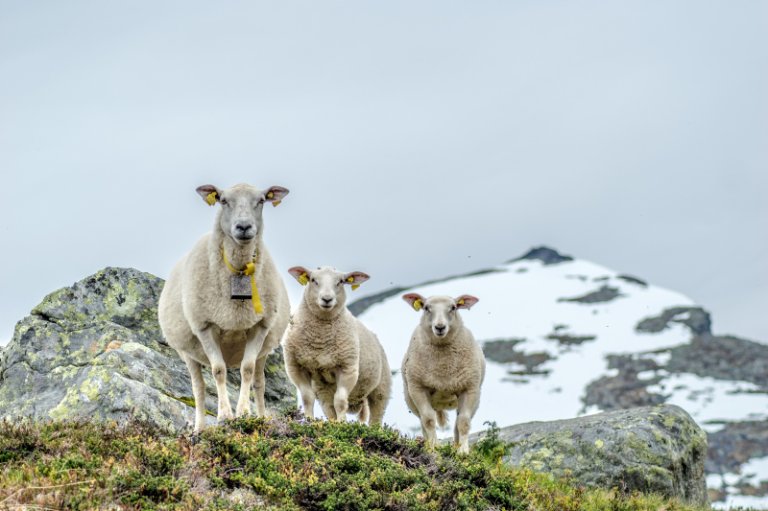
column 418, row 139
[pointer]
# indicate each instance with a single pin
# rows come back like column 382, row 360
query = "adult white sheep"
column 443, row 367
column 224, row 303
column 330, row 355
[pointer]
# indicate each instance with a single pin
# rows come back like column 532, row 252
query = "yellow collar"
column 250, row 270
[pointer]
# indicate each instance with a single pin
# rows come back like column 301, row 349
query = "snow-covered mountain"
column 566, row 337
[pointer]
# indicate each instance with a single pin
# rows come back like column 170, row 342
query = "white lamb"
column 198, row 315
column 443, row 368
column 330, row 355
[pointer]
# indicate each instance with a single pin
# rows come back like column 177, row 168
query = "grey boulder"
column 95, row 350
column 654, row 449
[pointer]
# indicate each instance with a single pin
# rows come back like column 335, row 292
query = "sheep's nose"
column 440, row 328
column 243, row 227
column 327, row 300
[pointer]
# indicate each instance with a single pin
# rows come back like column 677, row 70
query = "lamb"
column 211, row 320
column 330, row 355
column 443, row 367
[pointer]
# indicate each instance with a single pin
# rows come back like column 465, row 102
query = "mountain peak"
column 544, row 254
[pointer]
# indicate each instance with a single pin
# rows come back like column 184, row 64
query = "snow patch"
column 753, row 473
column 711, row 401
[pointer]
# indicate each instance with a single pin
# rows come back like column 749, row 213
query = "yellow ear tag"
column 276, row 203
column 211, row 198
column 351, row 280
column 417, row 305
column 303, row 279
column 460, row 302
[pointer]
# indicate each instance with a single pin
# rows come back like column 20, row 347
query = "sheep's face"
column 325, row 286
column 241, row 208
column 440, row 314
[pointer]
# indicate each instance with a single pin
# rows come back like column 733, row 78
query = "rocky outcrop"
column 656, row 449
column 95, row 350
column 695, row 318
column 544, row 254
column 601, row 295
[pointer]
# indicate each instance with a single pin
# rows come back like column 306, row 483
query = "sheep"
column 330, row 355
column 443, row 368
column 200, row 318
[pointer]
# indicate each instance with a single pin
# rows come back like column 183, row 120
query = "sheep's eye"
column 341, row 282
column 223, row 201
column 314, row 281
column 453, row 308
column 427, row 309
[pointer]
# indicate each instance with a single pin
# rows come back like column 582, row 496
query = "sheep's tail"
column 442, row 419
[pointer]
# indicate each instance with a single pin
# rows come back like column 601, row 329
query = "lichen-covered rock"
column 656, row 449
column 95, row 350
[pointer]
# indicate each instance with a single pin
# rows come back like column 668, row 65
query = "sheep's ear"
column 466, row 301
column 415, row 300
column 275, row 195
column 355, row 278
column 209, row 193
column 301, row 274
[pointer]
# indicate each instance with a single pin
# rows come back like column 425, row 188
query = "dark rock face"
column 544, row 254
column 710, row 356
column 651, row 449
column 695, row 318
column 633, row 280
column 602, row 295
column 736, row 444
column 723, row 358
column 95, row 350
column 626, row 389
column 570, row 340
column 504, row 351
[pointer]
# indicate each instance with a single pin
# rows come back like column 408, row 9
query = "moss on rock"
column 652, row 449
column 95, row 349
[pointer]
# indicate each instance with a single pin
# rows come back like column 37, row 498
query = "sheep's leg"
column 248, row 369
column 377, row 404
column 328, row 409
column 259, row 386
column 420, row 397
column 198, row 391
column 365, row 412
column 303, row 382
column 408, row 401
column 468, row 404
column 219, row 370
column 345, row 381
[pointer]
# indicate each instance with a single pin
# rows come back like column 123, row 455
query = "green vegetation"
column 279, row 463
